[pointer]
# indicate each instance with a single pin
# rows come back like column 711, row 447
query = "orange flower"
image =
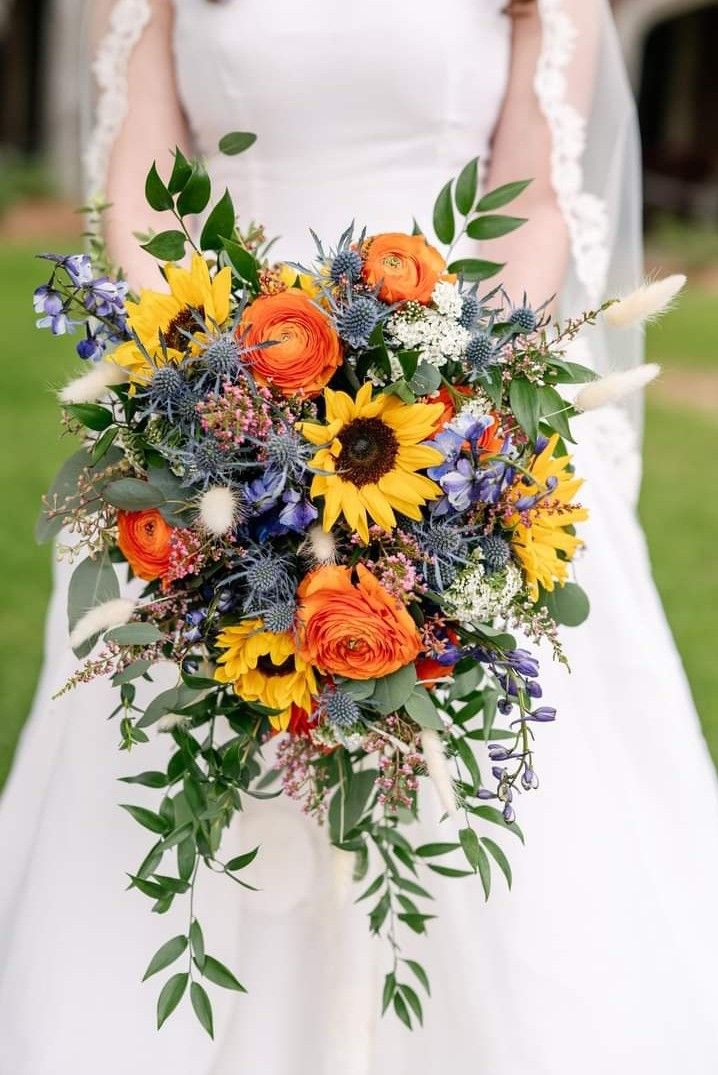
column 404, row 266
column 444, row 396
column 354, row 629
column 306, row 351
column 144, row 539
column 492, row 439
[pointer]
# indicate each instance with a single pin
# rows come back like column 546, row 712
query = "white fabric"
column 602, row 958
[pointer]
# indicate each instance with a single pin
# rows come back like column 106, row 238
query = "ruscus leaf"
column 169, row 998
column 168, row 953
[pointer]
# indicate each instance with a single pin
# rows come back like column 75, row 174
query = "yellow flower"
column 173, row 317
column 369, row 453
column 289, row 277
column 265, row 667
column 539, row 533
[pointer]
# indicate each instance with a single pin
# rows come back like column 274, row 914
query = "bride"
column 603, row 957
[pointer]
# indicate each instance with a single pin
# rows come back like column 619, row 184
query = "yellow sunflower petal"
column 378, row 506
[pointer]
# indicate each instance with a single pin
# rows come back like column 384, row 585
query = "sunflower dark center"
column 369, row 451
column 267, row 667
column 182, row 327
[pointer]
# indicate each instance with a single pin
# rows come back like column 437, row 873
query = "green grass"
column 679, row 512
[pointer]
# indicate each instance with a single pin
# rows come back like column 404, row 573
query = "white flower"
column 438, row 769
column 92, row 385
column 112, row 613
column 170, row 721
column 475, row 597
column 438, row 338
column 321, row 546
column 218, row 510
column 615, row 387
column 645, row 303
column 447, row 299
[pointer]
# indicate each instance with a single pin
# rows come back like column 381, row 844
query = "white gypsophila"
column 478, row 405
column 438, row 338
column 475, row 597
column 447, row 299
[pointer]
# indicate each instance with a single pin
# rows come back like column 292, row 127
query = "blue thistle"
column 339, row 708
column 480, row 351
column 347, row 265
column 446, row 548
column 469, row 311
column 279, row 618
column 356, row 323
column 267, row 578
column 523, row 319
column 287, row 453
column 495, row 553
column 169, row 395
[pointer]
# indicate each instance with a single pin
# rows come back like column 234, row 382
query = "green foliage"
column 236, row 142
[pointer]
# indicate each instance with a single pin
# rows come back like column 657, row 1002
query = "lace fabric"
column 586, row 214
column 125, row 26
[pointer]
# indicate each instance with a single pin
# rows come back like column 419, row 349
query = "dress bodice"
column 362, row 110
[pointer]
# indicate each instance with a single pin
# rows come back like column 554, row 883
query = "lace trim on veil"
column 127, row 22
column 586, row 215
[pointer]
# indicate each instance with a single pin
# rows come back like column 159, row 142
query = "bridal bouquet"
column 342, row 487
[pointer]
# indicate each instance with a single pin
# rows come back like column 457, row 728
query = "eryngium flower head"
column 495, row 553
column 356, row 323
column 347, row 265
column 469, row 310
column 523, row 319
column 480, row 350
column 339, row 708
column 267, row 578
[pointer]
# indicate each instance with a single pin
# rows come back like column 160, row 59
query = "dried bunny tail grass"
column 438, row 769
column 645, row 303
column 170, row 721
column 218, row 510
column 92, row 385
column 615, row 387
column 321, row 546
column 113, row 613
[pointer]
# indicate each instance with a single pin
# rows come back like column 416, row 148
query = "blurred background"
column 670, row 48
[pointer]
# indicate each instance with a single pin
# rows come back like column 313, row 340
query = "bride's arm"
column 153, row 125
column 536, row 255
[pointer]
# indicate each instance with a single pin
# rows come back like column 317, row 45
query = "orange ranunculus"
column 491, row 440
column 144, row 539
column 404, row 266
column 444, row 396
column 306, row 351
column 354, row 629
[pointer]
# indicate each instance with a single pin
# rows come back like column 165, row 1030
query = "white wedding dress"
column 603, row 958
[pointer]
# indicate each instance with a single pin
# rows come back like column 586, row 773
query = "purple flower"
column 47, row 301
column 91, row 349
column 298, row 512
column 544, row 714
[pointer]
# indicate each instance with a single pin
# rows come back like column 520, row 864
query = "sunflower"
column 541, row 540
column 265, row 667
column 369, row 453
column 165, row 324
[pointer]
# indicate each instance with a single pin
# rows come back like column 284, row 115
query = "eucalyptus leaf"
column 133, row 494
column 391, row 692
column 132, row 671
column 420, row 708
column 170, row 701
column 426, row 379
column 93, row 582
column 349, row 802
column 568, row 604
column 134, row 634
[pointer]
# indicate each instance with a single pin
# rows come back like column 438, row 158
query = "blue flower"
column 298, row 512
